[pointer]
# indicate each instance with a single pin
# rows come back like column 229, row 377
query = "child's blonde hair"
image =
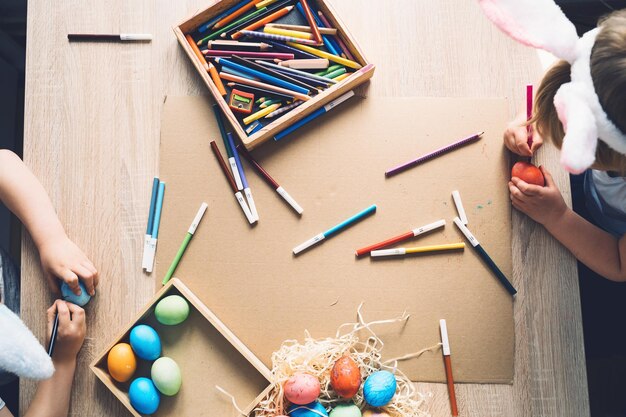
column 608, row 72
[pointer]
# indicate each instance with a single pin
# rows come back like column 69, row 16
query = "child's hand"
column 542, row 204
column 62, row 259
column 71, row 331
column 516, row 137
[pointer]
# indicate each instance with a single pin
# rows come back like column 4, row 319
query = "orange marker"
column 317, row 36
column 274, row 16
column 207, row 65
column 234, row 14
column 448, row 365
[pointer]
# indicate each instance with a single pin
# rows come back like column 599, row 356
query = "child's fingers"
column 77, row 312
column 96, row 276
column 63, row 311
column 515, row 192
column 526, row 188
column 87, row 278
column 546, row 174
column 71, row 279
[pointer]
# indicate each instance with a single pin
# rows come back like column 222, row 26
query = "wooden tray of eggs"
column 169, row 360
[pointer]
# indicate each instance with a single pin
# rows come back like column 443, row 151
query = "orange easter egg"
column 121, row 362
column 345, row 377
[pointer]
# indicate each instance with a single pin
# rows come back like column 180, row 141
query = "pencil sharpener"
column 241, row 101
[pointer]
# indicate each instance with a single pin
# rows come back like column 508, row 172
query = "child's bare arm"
column 24, row 195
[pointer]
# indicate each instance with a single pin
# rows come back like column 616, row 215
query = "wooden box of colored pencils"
column 207, row 354
column 296, row 56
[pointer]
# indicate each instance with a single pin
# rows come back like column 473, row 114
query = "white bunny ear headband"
column 542, row 24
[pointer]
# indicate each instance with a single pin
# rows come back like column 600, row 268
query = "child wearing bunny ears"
column 581, row 107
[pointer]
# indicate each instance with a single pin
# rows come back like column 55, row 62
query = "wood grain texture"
column 92, row 133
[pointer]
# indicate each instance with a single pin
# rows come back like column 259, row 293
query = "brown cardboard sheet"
column 334, row 167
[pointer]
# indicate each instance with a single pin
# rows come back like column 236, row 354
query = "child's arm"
column 22, row 193
column 599, row 250
column 516, row 136
column 52, row 398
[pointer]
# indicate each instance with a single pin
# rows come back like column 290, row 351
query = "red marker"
column 445, row 347
column 529, row 113
column 400, row 238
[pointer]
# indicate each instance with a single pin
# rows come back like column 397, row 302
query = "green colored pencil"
column 183, row 246
column 336, row 73
column 329, row 70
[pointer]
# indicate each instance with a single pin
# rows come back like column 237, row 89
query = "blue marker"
column 244, row 181
column 317, row 113
column 148, row 236
column 261, row 76
column 336, row 229
column 155, row 227
column 220, row 16
column 328, row 41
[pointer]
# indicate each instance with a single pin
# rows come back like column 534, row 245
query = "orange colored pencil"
column 253, row 83
column 207, row 65
column 317, row 36
column 235, row 14
column 276, row 15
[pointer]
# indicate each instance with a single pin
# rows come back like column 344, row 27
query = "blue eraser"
column 79, row 300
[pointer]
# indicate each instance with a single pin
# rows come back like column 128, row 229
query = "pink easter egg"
column 302, row 388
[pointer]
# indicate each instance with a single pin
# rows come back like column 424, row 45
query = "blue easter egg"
column 144, row 396
column 379, row 388
column 295, row 410
column 145, row 342
column 79, row 300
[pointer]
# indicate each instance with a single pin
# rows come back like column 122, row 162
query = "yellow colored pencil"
column 342, row 77
column 265, row 3
column 419, row 249
column 260, row 113
column 301, row 28
column 287, row 32
column 322, row 54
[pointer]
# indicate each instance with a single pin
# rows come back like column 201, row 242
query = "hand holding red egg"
column 528, row 173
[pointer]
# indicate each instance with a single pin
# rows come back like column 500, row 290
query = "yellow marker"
column 287, row 32
column 265, row 3
column 322, row 54
column 419, row 249
column 261, row 113
column 342, row 77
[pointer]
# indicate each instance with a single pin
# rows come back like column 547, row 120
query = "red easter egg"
column 528, row 173
column 345, row 377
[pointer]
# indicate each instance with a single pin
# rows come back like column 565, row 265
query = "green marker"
column 183, row 246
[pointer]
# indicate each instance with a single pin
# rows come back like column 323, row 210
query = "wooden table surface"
column 92, row 137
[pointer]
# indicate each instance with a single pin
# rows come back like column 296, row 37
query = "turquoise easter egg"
column 145, row 342
column 166, row 376
column 295, row 410
column 144, row 396
column 345, row 410
column 172, row 310
column 379, row 388
column 79, row 300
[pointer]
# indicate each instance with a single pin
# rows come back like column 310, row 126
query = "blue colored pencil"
column 335, row 229
column 262, row 76
column 148, row 236
column 219, row 17
column 244, row 181
column 317, row 113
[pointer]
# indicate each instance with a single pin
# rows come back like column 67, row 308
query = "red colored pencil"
column 400, row 238
column 529, row 113
column 317, row 36
column 447, row 362
column 246, row 54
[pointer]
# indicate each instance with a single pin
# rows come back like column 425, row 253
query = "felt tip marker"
column 396, row 239
column 155, row 227
column 335, row 229
column 420, row 249
column 445, row 347
column 485, row 257
column 148, row 235
column 456, row 196
column 244, row 180
column 229, row 151
column 314, row 115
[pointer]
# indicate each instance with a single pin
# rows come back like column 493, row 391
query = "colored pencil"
column 342, row 77
column 344, row 48
column 330, row 57
column 332, row 40
column 257, row 55
column 231, row 182
column 329, row 70
column 295, row 71
column 244, row 20
column 335, row 229
column 242, row 174
column 238, row 46
column 183, row 247
column 260, row 91
column 319, row 63
column 485, row 257
column 260, row 114
column 283, row 110
column 300, row 28
column 277, row 14
column 281, row 38
column 155, row 227
column 206, row 26
column 529, row 113
column 326, row 40
column 265, row 3
column 317, row 36
column 262, row 75
column 447, row 363
column 312, row 81
column 397, row 239
column 238, row 73
column 269, row 180
column 241, row 80
column 456, row 197
column 207, row 66
column 227, row 19
column 229, row 151
column 286, row 48
column 455, row 145
column 418, row 249
column 254, row 127
column 336, row 73
column 288, row 32
column 317, row 113
column 271, row 72
column 268, row 103
column 148, row 235
column 273, row 12
column 122, row 37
